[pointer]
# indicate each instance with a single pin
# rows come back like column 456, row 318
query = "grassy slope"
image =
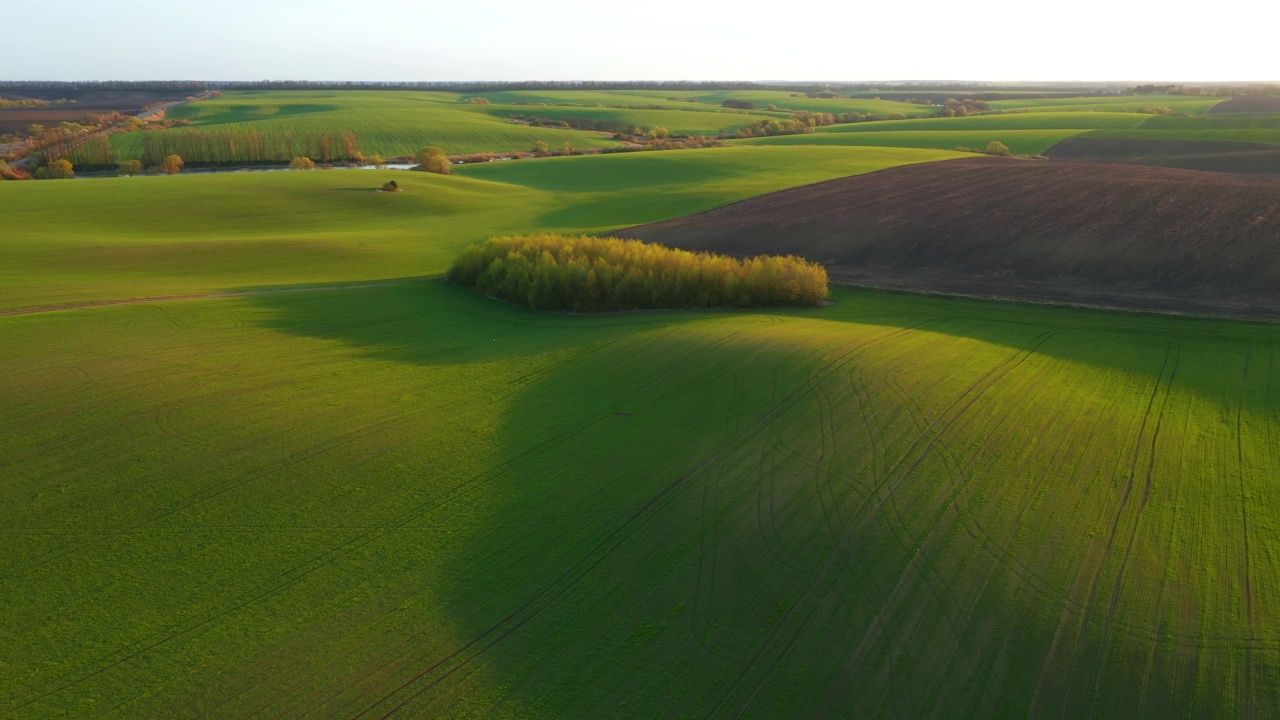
column 1260, row 128
column 326, row 503
column 1124, row 103
column 762, row 98
column 1020, row 141
column 111, row 238
column 679, row 122
column 1010, row 121
column 302, row 503
column 386, row 123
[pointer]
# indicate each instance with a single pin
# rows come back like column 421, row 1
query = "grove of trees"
column 594, row 274
column 213, row 147
column 60, row 169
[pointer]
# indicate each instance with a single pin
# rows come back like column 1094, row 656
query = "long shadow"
column 701, row 520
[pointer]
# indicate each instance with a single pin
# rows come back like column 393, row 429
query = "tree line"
column 594, row 274
column 216, row 147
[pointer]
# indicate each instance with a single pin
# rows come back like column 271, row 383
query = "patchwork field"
column 128, row 237
column 692, row 99
column 1095, row 234
column 386, row 123
column 258, row 460
column 1019, row 141
column 1208, row 155
column 1119, row 103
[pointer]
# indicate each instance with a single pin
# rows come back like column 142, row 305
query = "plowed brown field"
column 1112, row 235
column 1247, row 105
column 1212, row 156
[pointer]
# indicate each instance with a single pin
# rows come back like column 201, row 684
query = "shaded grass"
column 369, row 482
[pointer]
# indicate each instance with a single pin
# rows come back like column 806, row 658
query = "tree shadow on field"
column 696, row 517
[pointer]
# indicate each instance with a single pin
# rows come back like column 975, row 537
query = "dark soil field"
column 1094, row 234
column 1247, row 105
column 1233, row 157
column 130, row 102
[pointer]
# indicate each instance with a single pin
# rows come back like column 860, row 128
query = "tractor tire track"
column 1250, row 617
column 947, row 418
column 564, row 582
column 1095, row 585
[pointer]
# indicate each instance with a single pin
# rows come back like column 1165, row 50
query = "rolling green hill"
column 386, row 123
column 1000, row 121
column 1120, row 103
column 684, row 122
column 1019, row 141
column 399, row 498
column 412, row 500
column 111, row 238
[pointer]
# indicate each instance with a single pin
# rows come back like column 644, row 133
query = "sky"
column 430, row 40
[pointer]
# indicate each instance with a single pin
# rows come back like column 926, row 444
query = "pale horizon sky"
column 987, row 40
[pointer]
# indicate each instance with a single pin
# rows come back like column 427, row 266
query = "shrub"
column 391, row 186
column 130, row 168
column 302, row 163
column 996, row 147
column 60, row 169
column 541, row 147
column 592, row 274
column 172, row 165
column 739, row 104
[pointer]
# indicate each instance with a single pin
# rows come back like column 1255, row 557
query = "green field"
column 1019, row 141
column 410, row 498
column 680, row 122
column 1010, row 121
column 386, row 123
column 1121, row 103
column 671, row 99
column 130, row 237
column 318, row 482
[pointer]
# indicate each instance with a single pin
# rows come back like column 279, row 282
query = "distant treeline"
column 227, row 147
column 1252, row 90
column 496, row 86
column 80, row 85
column 592, row 274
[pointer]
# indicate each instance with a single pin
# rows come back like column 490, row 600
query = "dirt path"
column 199, row 296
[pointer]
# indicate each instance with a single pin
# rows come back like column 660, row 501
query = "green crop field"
column 1010, row 121
column 126, row 237
column 316, row 481
column 386, row 123
column 410, row 500
column 679, row 122
column 672, row 99
column 1019, row 141
column 1122, row 103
